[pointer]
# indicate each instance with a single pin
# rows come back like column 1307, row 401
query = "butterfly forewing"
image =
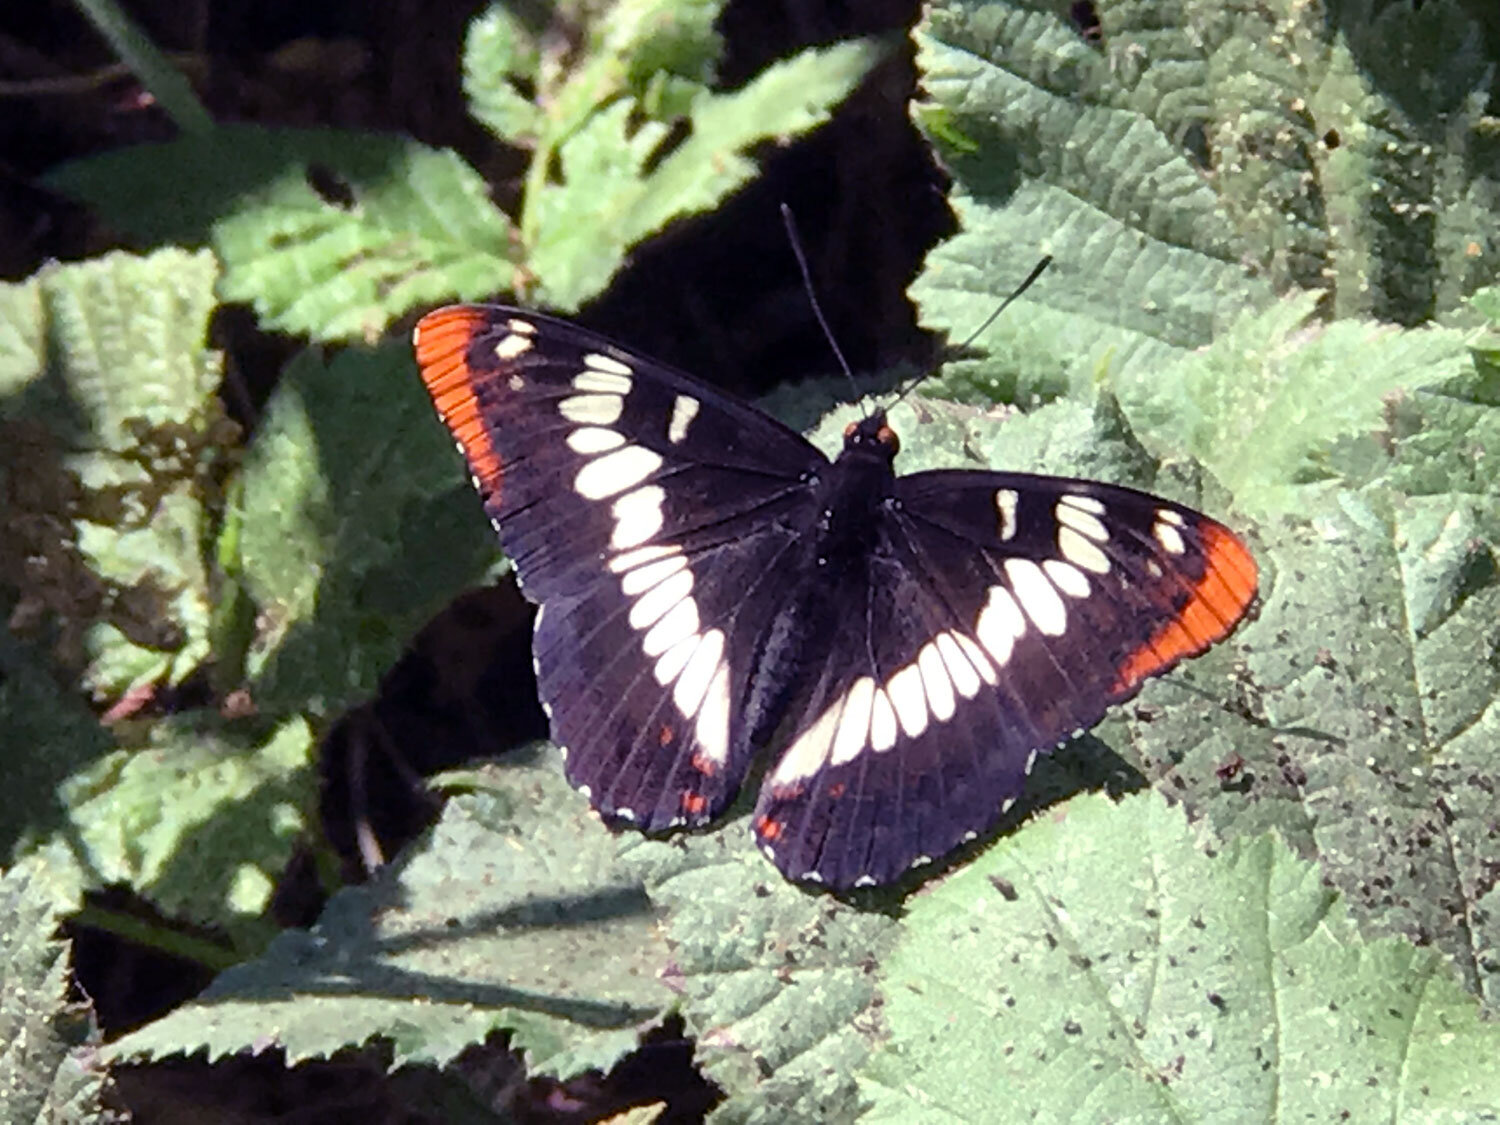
column 1003, row 614
column 643, row 510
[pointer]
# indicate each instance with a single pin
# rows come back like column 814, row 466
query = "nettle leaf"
column 1277, row 403
column 622, row 180
column 511, row 915
column 653, row 37
column 1101, row 966
column 323, row 231
column 1202, row 157
column 46, row 733
column 499, row 52
column 778, row 985
column 201, row 820
column 112, row 434
column 49, row 1067
column 1358, row 713
column 355, row 527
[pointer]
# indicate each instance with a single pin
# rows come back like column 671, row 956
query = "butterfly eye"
column 888, row 437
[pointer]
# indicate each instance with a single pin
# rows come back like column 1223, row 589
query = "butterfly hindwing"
column 627, row 494
column 1002, row 614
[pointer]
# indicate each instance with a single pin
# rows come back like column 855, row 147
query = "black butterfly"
column 710, row 584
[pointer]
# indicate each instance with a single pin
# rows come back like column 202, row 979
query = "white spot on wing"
column 642, row 578
column 713, row 719
column 524, row 327
column 1000, row 624
column 615, row 472
column 960, row 670
column 513, row 345
column 854, row 724
column 976, row 657
column 882, row 722
column 692, row 686
column 1084, row 503
column 684, row 410
column 1005, row 503
column 602, row 382
column 809, row 751
column 909, row 699
column 607, row 364
column 1081, row 552
column 1082, row 522
column 1067, row 578
column 1167, row 515
column 590, row 440
column 656, row 603
column 588, row 409
column 935, row 683
column 1170, row 538
column 638, row 516
column 1037, row 596
column 629, row 560
column 675, row 659
column 680, row 623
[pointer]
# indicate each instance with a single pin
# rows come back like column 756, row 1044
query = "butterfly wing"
column 1002, row 614
column 616, row 484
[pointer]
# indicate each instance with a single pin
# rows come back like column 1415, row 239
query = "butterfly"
column 711, row 586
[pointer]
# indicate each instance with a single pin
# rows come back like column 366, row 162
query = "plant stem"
column 171, row 89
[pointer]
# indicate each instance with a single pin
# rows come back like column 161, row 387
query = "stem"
column 172, row 91
column 210, row 954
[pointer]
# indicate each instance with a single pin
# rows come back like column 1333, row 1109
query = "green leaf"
column 497, row 50
column 511, row 915
column 356, row 527
column 1099, row 965
column 776, row 983
column 110, row 446
column 1366, row 713
column 1275, row 404
column 46, row 733
column 1200, row 141
column 404, row 225
column 202, row 820
column 622, row 181
column 656, row 37
column 49, row 1069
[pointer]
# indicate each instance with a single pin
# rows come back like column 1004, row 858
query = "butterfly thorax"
column 850, row 496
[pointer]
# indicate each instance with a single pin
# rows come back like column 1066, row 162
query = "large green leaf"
column 323, row 231
column 623, row 179
column 49, row 1065
column 201, row 820
column 1204, row 155
column 512, row 914
column 1102, row 966
column 777, row 984
column 111, row 436
column 46, row 733
column 355, row 527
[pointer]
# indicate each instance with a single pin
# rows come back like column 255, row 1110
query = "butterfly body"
column 713, row 588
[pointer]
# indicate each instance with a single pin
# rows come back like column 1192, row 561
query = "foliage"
column 335, row 234
column 49, row 1066
column 1104, row 963
column 510, row 916
column 1297, row 342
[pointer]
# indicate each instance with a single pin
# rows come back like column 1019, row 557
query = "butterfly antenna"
column 1036, row 272
column 812, row 294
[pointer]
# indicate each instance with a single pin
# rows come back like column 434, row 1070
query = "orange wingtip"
column 441, row 341
column 1218, row 602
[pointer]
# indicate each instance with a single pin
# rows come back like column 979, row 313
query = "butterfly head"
column 873, row 435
